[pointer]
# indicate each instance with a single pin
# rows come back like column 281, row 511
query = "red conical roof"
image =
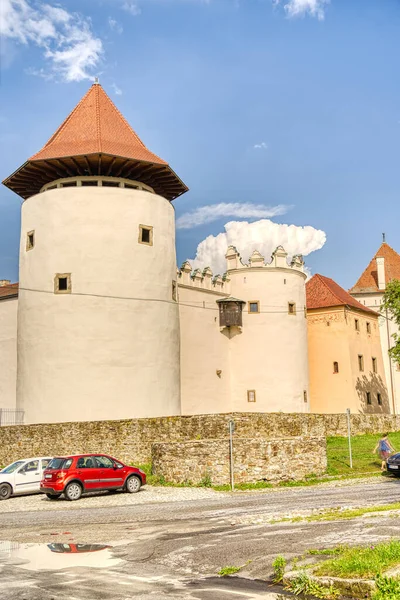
column 96, row 126
column 95, row 139
column 368, row 281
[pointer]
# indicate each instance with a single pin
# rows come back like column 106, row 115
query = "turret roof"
column 323, row 292
column 368, row 282
column 95, row 139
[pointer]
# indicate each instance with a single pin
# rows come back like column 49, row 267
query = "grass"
column 365, row 562
column 335, row 514
column 363, row 459
column 228, row 571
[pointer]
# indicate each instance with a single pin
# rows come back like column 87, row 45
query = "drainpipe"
column 390, row 362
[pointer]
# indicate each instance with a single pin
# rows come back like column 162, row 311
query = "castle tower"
column 98, row 324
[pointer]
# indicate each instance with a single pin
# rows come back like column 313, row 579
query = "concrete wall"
column 8, row 352
column 110, row 349
column 254, row 460
column 332, row 337
column 131, row 440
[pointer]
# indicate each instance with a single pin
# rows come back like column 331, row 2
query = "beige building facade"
column 8, row 349
column 345, row 356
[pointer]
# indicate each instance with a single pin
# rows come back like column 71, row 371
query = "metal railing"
column 10, row 416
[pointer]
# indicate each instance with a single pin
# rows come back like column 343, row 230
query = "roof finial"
column 384, row 237
column 96, row 80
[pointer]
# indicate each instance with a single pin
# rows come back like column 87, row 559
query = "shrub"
column 279, row 566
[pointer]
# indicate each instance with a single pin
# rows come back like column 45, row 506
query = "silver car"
column 22, row 476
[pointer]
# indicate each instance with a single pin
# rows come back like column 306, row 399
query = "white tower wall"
column 109, row 349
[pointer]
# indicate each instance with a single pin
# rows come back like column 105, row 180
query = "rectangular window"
column 254, row 306
column 174, row 291
column 251, row 395
column 380, row 399
column 291, row 308
column 336, row 367
column 374, row 365
column 30, row 240
column 357, row 324
column 305, row 396
column 369, row 401
column 360, row 362
column 368, row 327
column 146, row 235
column 62, row 283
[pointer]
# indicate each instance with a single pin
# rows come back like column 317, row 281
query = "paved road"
column 175, row 549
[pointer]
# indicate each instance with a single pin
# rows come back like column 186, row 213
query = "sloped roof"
column 96, row 126
column 8, row 291
column 95, row 139
column 368, row 282
column 323, row 292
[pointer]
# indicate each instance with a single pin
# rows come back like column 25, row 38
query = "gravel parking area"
column 147, row 495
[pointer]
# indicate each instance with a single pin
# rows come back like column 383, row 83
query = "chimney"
column 4, row 282
column 380, row 267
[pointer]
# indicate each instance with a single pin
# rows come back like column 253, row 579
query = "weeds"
column 279, row 566
column 388, row 588
column 303, row 584
column 205, row 481
column 228, row 571
column 362, row 561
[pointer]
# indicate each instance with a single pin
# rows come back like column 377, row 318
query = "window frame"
column 361, row 363
column 335, row 367
column 57, row 278
column 29, row 245
column 251, row 394
column 369, row 398
column 357, row 325
column 379, row 398
column 148, row 228
column 253, row 312
column 292, row 312
column 374, row 364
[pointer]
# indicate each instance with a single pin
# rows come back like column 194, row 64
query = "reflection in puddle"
column 56, row 556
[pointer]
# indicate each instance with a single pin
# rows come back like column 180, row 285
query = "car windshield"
column 13, row 467
column 56, row 463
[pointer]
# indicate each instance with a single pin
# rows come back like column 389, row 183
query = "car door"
column 110, row 477
column 27, row 478
column 88, row 472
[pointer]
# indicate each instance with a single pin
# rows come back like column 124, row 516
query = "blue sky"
column 264, row 108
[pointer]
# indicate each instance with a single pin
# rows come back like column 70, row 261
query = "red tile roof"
column 8, row 291
column 323, row 292
column 368, row 281
column 96, row 126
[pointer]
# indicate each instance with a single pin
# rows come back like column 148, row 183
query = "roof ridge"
column 98, row 123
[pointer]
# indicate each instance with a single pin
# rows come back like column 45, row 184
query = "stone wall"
column 131, row 440
column 254, row 460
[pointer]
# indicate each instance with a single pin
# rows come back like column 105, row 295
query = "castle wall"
column 332, row 337
column 8, row 353
column 110, row 348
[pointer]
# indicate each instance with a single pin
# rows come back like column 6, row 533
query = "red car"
column 75, row 475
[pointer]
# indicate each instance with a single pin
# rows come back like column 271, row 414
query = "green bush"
column 279, row 566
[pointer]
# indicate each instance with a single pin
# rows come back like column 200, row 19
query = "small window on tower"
column 374, row 365
column 254, row 307
column 174, row 291
column 291, row 308
column 336, row 367
column 146, row 235
column 30, row 240
column 62, row 283
column 379, row 399
column 369, row 400
column 360, row 362
column 368, row 327
column 251, row 395
column 357, row 324
column 305, row 396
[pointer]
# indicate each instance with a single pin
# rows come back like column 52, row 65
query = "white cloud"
column 67, row 41
column 264, row 236
column 115, row 26
column 132, row 8
column 261, row 146
column 212, row 212
column 116, row 89
column 300, row 8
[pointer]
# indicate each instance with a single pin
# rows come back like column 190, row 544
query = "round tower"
column 98, row 323
column 269, row 352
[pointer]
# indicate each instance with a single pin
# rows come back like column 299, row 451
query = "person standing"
column 385, row 449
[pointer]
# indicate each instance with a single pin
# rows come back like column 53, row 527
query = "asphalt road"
column 175, row 550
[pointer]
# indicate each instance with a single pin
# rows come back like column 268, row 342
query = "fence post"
column 349, row 436
column 231, row 430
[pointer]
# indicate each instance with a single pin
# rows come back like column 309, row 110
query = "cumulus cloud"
column 300, row 8
column 68, row 44
column 212, row 212
column 263, row 235
column 115, row 26
column 260, row 146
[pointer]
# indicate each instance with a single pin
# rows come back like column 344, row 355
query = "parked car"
column 393, row 464
column 76, row 475
column 22, row 476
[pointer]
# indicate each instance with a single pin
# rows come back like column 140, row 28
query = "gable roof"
column 368, row 282
column 95, row 139
column 323, row 292
column 8, row 291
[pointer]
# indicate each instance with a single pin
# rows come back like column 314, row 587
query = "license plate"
column 393, row 466
column 48, row 476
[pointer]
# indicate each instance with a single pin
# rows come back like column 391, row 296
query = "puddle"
column 40, row 557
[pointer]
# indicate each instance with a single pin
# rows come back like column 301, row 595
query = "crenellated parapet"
column 256, row 260
column 203, row 279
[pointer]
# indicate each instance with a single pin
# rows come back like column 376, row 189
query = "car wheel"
column 73, row 491
column 5, row 491
column 53, row 496
column 133, row 484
